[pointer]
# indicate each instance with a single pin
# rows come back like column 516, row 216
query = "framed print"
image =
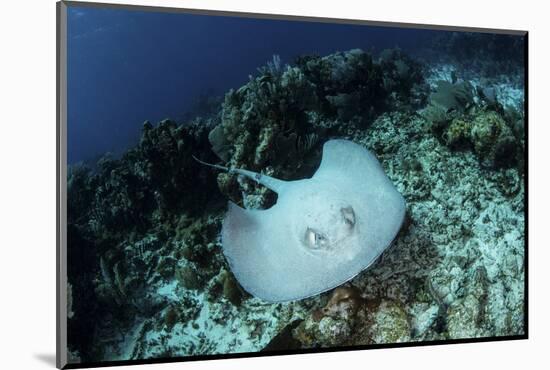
column 234, row 184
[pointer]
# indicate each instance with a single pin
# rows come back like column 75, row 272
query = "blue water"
column 127, row 66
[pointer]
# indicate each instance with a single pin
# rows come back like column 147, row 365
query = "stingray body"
column 321, row 232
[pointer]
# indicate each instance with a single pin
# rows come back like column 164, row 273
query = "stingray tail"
column 270, row 182
column 217, row 166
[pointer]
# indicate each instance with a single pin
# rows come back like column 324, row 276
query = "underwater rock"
column 493, row 139
column 329, row 331
column 390, row 324
column 225, row 286
column 378, row 321
column 458, row 134
column 193, row 240
column 445, row 284
column 332, row 331
column 344, row 302
column 333, row 323
column 424, row 320
column 231, row 290
column 170, row 318
column 189, row 277
column 488, row 134
column 466, row 317
column 462, row 318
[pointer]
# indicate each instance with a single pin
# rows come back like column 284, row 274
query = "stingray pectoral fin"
column 243, row 246
column 257, row 247
column 350, row 166
column 344, row 159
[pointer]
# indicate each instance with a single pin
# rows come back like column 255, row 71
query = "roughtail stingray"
column 322, row 231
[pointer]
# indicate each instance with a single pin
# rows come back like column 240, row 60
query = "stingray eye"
column 349, row 216
column 314, row 239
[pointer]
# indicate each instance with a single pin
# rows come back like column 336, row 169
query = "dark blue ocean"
column 125, row 67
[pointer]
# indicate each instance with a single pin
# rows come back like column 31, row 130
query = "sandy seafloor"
column 456, row 270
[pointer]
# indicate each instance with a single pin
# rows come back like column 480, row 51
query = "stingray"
column 322, row 231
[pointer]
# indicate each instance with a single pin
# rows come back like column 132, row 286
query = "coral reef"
column 486, row 127
column 121, row 221
column 147, row 275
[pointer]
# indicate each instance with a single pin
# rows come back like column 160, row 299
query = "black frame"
column 61, row 173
